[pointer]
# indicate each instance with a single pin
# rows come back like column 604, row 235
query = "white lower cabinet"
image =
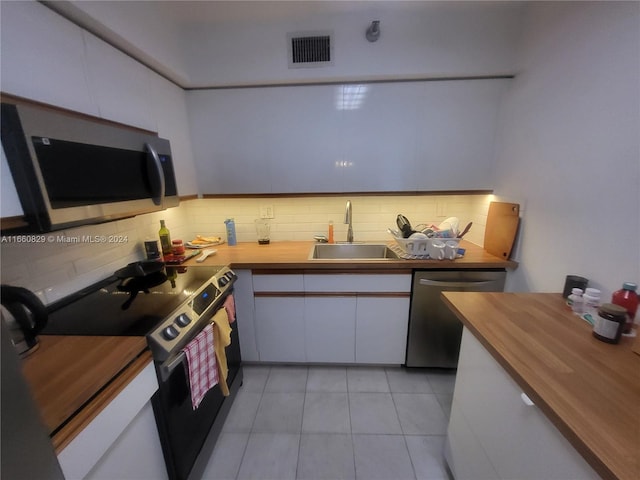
column 330, row 318
column 122, row 441
column 330, row 329
column 136, row 454
column 381, row 329
column 494, row 433
column 280, row 328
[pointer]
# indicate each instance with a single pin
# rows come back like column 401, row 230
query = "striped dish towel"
column 201, row 363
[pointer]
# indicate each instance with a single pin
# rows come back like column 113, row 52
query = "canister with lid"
column 591, row 301
column 609, row 322
column 576, row 301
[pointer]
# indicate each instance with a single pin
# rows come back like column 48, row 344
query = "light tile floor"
column 291, row 422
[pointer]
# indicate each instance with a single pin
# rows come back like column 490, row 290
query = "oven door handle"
column 167, row 367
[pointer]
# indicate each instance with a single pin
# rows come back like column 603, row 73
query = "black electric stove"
column 126, row 307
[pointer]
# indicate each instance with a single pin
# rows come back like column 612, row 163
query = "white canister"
column 591, row 301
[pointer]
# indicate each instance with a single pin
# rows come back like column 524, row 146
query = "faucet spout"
column 348, row 219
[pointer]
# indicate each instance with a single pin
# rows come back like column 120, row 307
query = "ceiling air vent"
column 310, row 49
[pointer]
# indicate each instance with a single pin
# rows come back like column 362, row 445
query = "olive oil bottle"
column 165, row 238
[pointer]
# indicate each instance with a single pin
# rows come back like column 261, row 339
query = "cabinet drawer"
column 354, row 282
column 278, row 283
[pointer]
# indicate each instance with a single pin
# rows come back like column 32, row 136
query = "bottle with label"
column 231, row 231
column 591, row 302
column 576, row 301
column 165, row 238
column 331, row 231
column 628, row 298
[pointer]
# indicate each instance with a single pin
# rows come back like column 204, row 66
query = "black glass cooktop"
column 125, row 307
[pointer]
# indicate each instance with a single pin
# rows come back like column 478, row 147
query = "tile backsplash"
column 69, row 260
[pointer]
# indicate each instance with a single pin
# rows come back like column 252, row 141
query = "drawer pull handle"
column 527, row 401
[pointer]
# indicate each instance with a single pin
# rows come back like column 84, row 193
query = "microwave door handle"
column 156, row 175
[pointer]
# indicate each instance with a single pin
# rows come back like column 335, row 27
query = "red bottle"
column 627, row 298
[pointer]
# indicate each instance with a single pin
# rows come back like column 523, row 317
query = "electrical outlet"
column 266, row 211
column 441, row 209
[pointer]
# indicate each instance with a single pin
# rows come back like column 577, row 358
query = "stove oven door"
column 188, row 436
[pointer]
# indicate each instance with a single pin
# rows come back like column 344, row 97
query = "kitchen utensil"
column 24, row 315
column 502, row 225
column 466, row 229
column 139, row 269
column 205, row 254
column 140, row 283
column 404, row 225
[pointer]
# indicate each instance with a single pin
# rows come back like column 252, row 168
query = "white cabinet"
column 330, row 329
column 493, row 433
column 119, row 84
column 331, row 318
column 43, row 57
column 455, row 138
column 397, row 136
column 229, row 140
column 304, row 139
column 128, row 419
column 381, row 329
column 280, row 329
column 380, row 127
column 136, row 454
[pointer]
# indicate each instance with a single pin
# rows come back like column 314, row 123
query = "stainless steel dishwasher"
column 434, row 330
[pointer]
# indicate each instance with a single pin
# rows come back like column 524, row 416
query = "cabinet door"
column 304, row 138
column 379, row 130
column 381, row 329
column 43, row 57
column 120, row 85
column 330, row 329
column 280, row 328
column 519, row 441
column 229, row 140
column 456, row 134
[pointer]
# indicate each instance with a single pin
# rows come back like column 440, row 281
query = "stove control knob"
column 170, row 332
column 182, row 320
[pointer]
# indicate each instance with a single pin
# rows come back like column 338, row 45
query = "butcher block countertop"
column 72, row 378
column 294, row 255
column 589, row 389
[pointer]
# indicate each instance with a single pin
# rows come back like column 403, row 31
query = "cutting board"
column 501, row 229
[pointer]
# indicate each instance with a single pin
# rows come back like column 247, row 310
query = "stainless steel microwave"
column 71, row 170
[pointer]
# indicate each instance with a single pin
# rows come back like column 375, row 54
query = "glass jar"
column 177, row 247
column 609, row 323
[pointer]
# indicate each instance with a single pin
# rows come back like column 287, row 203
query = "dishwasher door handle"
column 438, row 283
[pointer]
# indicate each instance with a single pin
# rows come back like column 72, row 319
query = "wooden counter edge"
column 578, row 443
column 68, row 432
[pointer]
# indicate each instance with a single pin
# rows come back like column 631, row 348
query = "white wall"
column 569, row 145
column 417, row 39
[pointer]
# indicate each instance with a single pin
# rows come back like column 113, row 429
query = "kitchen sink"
column 346, row 251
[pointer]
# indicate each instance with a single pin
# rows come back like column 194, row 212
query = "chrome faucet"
column 348, row 220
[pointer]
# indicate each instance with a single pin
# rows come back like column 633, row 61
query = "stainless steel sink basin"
column 351, row 251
